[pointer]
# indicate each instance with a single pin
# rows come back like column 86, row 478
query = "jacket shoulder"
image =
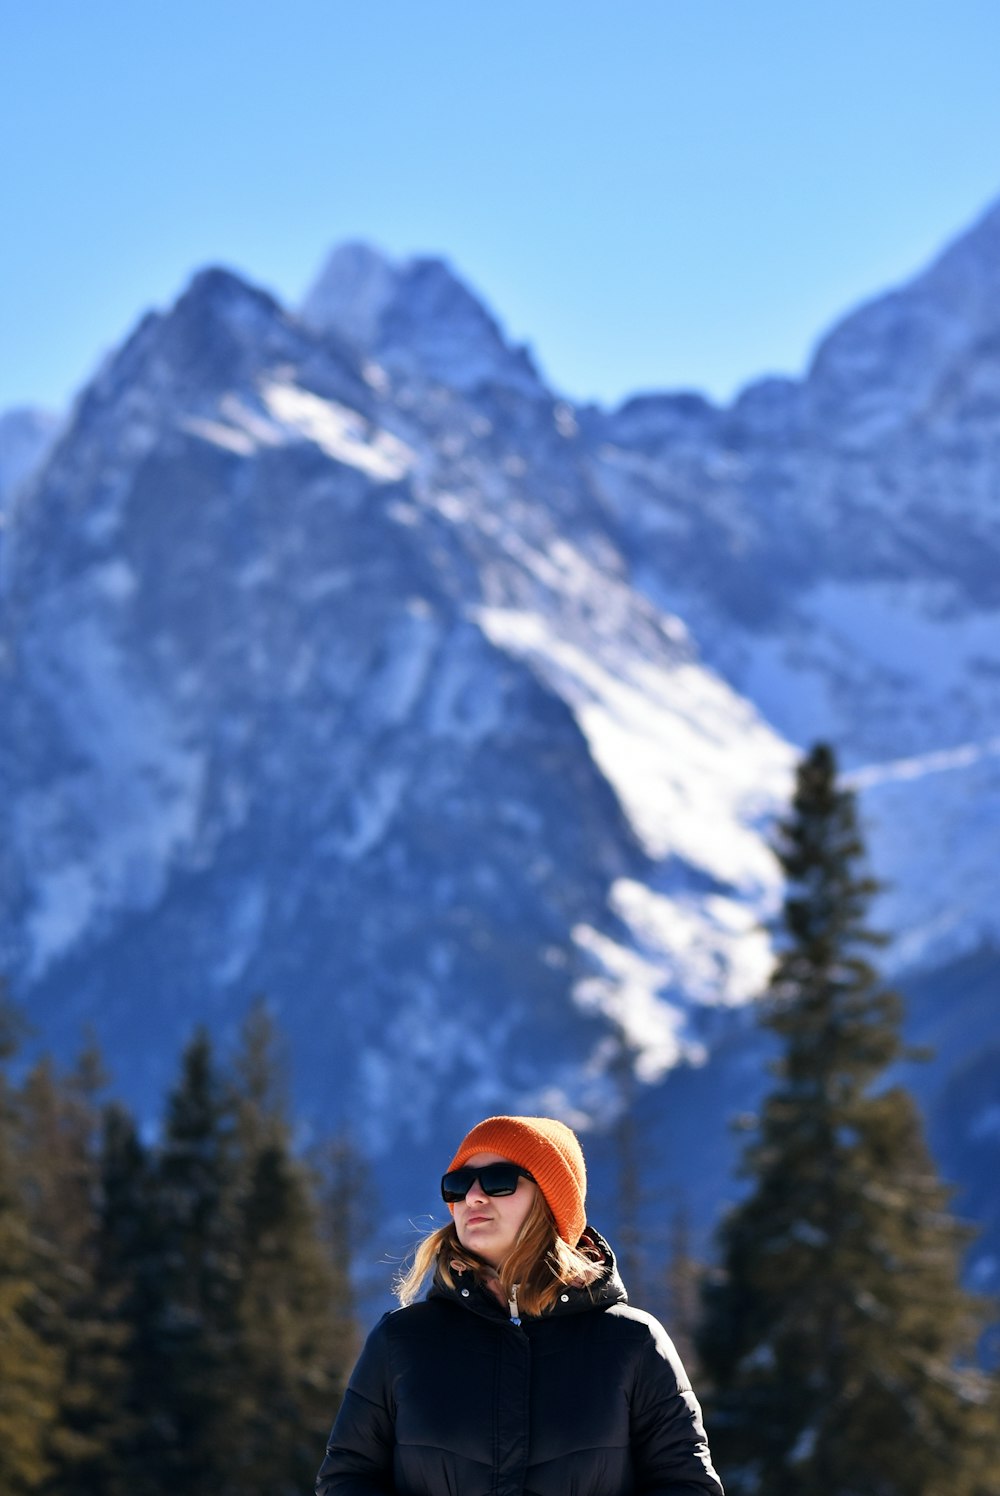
column 423, row 1317
column 649, row 1337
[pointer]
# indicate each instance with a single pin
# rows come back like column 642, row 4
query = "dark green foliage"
column 171, row 1317
column 131, row 1283
column 60, row 1161
column 346, row 1219
column 683, row 1279
column 836, row 1336
column 32, row 1368
column 197, row 1230
column 294, row 1301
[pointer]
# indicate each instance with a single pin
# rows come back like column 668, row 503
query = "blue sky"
column 653, row 194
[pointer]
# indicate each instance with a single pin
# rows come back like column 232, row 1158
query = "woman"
column 524, row 1372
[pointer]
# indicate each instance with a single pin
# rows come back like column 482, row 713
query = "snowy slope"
column 834, row 548
column 298, row 621
column 345, row 663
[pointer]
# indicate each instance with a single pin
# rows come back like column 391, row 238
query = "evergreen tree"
column 346, row 1216
column 130, row 1277
column 628, row 1165
column 292, row 1363
column 176, row 1319
column 683, row 1279
column 197, row 1342
column 60, row 1120
column 836, row 1336
column 32, row 1367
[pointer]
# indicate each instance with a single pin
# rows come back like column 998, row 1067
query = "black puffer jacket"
column 451, row 1398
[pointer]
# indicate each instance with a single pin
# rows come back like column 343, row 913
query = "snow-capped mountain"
column 834, row 547
column 327, row 698
column 347, row 664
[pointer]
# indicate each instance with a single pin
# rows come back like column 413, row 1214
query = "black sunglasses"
column 494, row 1179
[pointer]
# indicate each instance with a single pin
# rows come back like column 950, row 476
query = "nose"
column 476, row 1192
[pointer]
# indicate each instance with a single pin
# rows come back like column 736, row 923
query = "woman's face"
column 488, row 1224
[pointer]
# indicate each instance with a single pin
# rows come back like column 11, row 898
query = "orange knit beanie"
column 550, row 1152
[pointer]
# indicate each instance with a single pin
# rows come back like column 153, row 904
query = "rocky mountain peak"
column 220, row 323
column 455, row 720
column 351, row 294
column 885, row 364
column 418, row 319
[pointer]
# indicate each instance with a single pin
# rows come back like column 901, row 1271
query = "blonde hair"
column 539, row 1263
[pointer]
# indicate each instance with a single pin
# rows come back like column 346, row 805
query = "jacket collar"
column 469, row 1293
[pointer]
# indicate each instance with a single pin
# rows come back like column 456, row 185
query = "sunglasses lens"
column 457, row 1184
column 499, row 1179
column 494, row 1179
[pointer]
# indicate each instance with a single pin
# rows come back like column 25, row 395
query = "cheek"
column 521, row 1211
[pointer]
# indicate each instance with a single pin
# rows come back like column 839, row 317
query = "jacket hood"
column 608, row 1289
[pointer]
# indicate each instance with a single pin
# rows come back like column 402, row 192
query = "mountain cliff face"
column 833, row 545
column 26, row 437
column 346, row 664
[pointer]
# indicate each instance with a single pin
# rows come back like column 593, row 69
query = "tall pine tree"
column 836, row 1336
column 60, row 1161
column 32, row 1368
column 132, row 1282
column 293, row 1335
column 198, row 1335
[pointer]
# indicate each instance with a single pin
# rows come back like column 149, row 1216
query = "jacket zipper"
column 515, row 1318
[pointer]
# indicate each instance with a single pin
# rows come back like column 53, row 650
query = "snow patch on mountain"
column 462, row 701
column 338, row 431
column 291, row 413
column 372, row 807
column 711, row 947
column 694, row 767
column 926, row 763
column 933, row 826
column 625, row 988
column 678, row 953
column 875, row 666
column 245, row 916
column 103, row 835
